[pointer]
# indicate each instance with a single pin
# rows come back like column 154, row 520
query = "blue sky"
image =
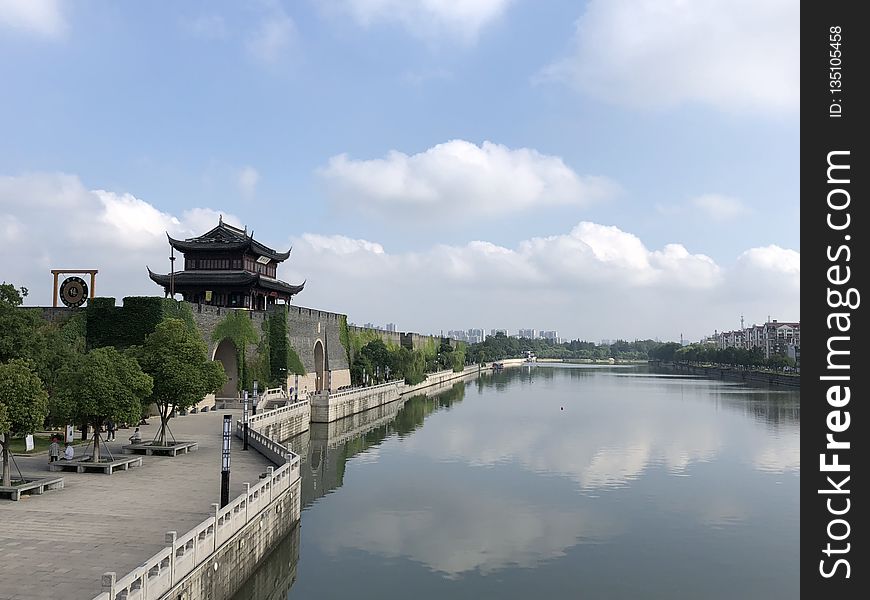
column 441, row 165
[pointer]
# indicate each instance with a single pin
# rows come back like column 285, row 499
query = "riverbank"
column 777, row 380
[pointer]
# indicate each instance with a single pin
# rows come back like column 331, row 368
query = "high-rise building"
column 551, row 335
column 528, row 333
column 391, row 327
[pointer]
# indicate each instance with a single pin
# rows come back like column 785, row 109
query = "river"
column 559, row 481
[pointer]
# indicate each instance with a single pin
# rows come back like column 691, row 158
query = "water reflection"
column 326, row 447
column 588, row 480
column 276, row 574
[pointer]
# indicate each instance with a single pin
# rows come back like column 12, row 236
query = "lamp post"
column 172, row 272
column 245, row 423
column 225, row 461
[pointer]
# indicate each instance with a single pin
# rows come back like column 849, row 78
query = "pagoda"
column 227, row 267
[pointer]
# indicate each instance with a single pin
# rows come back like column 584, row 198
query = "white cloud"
column 719, row 207
column 489, row 179
column 592, row 281
column 274, row 37
column 58, row 223
column 734, row 55
column 772, row 259
column 426, row 18
column 43, row 17
column 247, row 180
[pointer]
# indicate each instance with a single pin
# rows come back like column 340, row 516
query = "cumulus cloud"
column 593, row 280
column 736, row 56
column 247, row 180
column 426, row 18
column 483, row 180
column 55, row 222
column 43, row 17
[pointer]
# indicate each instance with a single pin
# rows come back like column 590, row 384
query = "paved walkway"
column 57, row 545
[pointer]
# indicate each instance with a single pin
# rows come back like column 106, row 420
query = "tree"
column 17, row 325
column 100, row 385
column 177, row 360
column 23, row 405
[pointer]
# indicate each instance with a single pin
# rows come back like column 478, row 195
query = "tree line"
column 699, row 354
column 377, row 362
column 500, row 346
column 49, row 377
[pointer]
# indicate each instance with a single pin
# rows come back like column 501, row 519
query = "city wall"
column 328, row 407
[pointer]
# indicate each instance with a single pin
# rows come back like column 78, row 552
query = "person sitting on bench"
column 135, row 438
column 69, row 453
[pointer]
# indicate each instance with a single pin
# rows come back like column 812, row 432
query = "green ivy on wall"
column 282, row 355
column 238, row 328
column 127, row 325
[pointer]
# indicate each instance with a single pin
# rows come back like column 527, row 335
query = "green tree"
column 18, row 326
column 177, row 360
column 23, row 405
column 100, row 385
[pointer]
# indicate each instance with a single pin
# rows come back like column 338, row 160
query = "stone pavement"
column 57, row 545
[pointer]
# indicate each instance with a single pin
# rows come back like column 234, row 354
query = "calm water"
column 551, row 482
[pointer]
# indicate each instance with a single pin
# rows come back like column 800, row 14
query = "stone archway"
column 228, row 356
column 318, row 366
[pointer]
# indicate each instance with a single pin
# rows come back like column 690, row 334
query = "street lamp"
column 225, row 461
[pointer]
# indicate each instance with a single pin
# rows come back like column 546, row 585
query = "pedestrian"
column 53, row 450
column 136, row 437
column 69, row 453
column 110, row 429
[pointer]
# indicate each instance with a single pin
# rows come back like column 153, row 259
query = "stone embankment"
column 780, row 380
column 216, row 557
column 328, row 407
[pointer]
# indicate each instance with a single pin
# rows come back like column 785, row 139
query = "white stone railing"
column 182, row 554
column 272, row 416
column 366, row 389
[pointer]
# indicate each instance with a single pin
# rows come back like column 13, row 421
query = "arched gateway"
column 226, row 353
column 318, row 366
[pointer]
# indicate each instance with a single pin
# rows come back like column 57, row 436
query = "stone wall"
column 282, row 423
column 223, row 574
column 305, row 326
column 331, row 407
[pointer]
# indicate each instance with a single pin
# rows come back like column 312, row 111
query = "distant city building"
column 391, row 327
column 552, row 335
column 605, row 342
column 773, row 337
column 527, row 333
column 495, row 332
column 458, row 334
column 475, row 336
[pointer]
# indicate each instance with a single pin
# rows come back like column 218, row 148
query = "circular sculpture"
column 73, row 291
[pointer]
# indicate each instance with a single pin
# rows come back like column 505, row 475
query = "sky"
column 608, row 169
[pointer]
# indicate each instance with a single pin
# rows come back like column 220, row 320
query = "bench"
column 170, row 450
column 84, row 466
column 33, row 486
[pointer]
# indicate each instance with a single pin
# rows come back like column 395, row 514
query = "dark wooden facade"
column 228, row 267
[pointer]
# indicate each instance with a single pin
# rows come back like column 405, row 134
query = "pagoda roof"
column 226, row 278
column 225, row 237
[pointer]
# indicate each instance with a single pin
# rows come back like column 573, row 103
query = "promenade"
column 59, row 544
